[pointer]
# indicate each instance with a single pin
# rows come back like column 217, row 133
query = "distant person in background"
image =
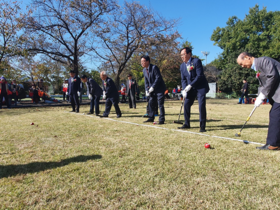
column 131, row 91
column 174, row 92
column 110, row 94
column 267, row 72
column 5, row 92
column 81, row 91
column 166, row 94
column 74, row 91
column 35, row 96
column 15, row 91
column 244, row 92
column 64, row 89
column 123, row 91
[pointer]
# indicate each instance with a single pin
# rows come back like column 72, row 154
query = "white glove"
column 260, row 99
column 184, row 93
column 151, row 89
column 147, row 93
column 188, row 88
column 104, row 96
column 67, row 93
column 89, row 96
column 79, row 93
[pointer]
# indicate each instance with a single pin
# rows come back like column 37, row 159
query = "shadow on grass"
column 228, row 127
column 12, row 170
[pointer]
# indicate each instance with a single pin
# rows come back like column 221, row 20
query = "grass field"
column 72, row 161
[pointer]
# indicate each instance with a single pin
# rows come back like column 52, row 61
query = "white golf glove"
column 79, row 93
column 151, row 89
column 184, row 93
column 260, row 99
column 147, row 93
column 67, row 93
column 89, row 96
column 188, row 88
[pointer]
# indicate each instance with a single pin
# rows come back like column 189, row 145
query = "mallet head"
column 238, row 134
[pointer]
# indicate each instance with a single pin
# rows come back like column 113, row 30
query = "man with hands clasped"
column 267, row 72
column 194, row 84
column 94, row 92
column 155, row 88
column 74, row 90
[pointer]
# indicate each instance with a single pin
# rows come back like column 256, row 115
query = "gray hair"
column 103, row 73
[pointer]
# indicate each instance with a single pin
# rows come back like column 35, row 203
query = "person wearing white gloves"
column 155, row 88
column 110, row 94
column 267, row 72
column 194, row 85
column 73, row 91
column 94, row 92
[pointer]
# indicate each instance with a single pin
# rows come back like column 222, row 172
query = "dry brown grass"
column 71, row 161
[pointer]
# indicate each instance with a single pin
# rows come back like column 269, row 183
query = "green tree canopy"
column 258, row 34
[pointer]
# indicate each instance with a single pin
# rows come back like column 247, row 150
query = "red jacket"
column 7, row 89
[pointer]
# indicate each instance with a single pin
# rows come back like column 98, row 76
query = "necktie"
column 147, row 72
column 129, row 84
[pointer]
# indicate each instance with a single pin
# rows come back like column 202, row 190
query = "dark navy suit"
column 73, row 89
column 200, row 87
column 112, row 96
column 95, row 90
column 154, row 79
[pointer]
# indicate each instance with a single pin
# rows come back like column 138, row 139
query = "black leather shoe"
column 202, row 130
column 103, row 116
column 184, row 127
column 118, row 116
column 149, row 120
column 268, row 147
column 161, row 122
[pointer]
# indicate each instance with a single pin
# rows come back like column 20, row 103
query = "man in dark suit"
column 194, row 84
column 131, row 90
column 267, row 72
column 73, row 90
column 244, row 91
column 110, row 93
column 155, row 87
column 94, row 92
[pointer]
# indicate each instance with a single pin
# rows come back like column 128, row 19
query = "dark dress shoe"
column 72, row 111
column 118, row 116
column 89, row 113
column 96, row 114
column 103, row 116
column 184, row 127
column 202, row 130
column 77, row 111
column 268, row 147
column 161, row 122
column 149, row 120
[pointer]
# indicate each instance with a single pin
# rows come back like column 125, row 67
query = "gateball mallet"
column 178, row 121
column 239, row 134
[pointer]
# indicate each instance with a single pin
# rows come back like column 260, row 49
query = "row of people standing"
column 8, row 91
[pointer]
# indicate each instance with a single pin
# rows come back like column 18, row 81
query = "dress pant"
column 191, row 95
column 74, row 99
column 7, row 100
column 94, row 102
column 131, row 99
column 242, row 97
column 108, row 105
column 159, row 98
column 273, row 135
column 155, row 107
column 15, row 97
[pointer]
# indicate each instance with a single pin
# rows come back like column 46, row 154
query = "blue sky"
column 198, row 19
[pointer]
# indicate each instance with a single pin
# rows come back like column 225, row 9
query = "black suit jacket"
column 133, row 86
column 74, row 87
column 110, row 88
column 154, row 79
column 94, row 88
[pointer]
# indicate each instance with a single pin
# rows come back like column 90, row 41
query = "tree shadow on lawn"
column 228, row 127
column 12, row 170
